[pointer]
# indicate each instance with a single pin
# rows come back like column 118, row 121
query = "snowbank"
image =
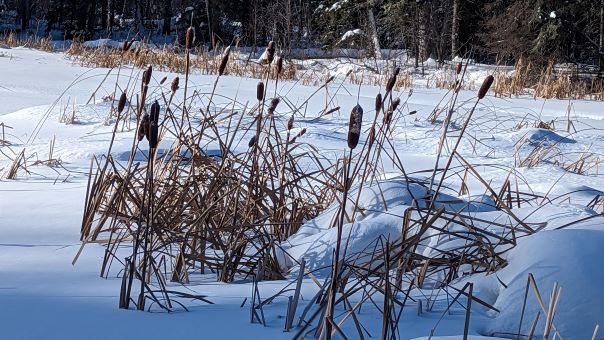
column 575, row 260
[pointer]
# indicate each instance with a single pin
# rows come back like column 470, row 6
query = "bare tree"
column 455, row 29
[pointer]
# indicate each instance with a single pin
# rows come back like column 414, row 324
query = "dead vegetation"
column 221, row 186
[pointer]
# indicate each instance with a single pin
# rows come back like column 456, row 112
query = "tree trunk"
column 110, row 14
column 104, row 11
column 377, row 51
column 210, row 32
column 455, row 29
column 601, row 43
column 167, row 17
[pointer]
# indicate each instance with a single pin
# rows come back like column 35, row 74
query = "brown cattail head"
column 273, row 106
column 270, row 51
column 122, row 103
column 394, row 105
column 174, row 85
column 330, row 79
column 147, row 75
column 154, row 125
column 411, row 113
column 300, row 134
column 224, row 61
column 260, row 91
column 354, row 126
column 126, row 46
column 252, row 142
column 163, row 80
column 143, row 128
column 486, row 85
column 290, row 123
column 378, row 103
column 458, row 70
column 392, row 81
column 397, row 71
column 279, row 65
column 189, row 38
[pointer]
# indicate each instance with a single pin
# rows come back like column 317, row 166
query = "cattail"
column 300, row 134
column 143, row 128
column 270, row 51
column 224, row 61
column 412, row 112
column 163, row 80
column 122, row 103
column 354, row 127
column 486, row 85
column 273, row 105
column 174, row 85
column 391, row 82
column 330, row 79
column 144, row 80
column 147, row 75
column 189, row 38
column 154, row 125
column 260, row 91
column 252, row 142
column 394, row 105
column 458, row 71
column 279, row 65
column 126, row 46
column 378, row 103
column 290, row 123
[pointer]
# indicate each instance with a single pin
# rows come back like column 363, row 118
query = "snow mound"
column 379, row 215
column 350, row 34
column 107, row 43
column 543, row 136
column 572, row 258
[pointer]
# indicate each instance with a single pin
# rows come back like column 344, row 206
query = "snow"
column 552, row 15
column 40, row 212
column 572, row 258
column 350, row 34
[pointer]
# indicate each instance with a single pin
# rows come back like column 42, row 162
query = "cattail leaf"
column 354, row 126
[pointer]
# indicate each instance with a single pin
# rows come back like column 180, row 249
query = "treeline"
column 486, row 30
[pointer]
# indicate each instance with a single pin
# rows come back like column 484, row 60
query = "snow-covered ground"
column 44, row 296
